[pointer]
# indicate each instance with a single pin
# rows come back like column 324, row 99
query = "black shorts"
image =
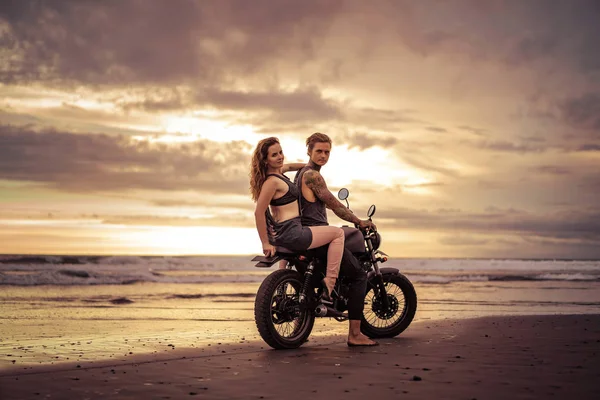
column 291, row 234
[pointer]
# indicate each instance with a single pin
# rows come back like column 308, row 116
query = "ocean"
column 64, row 308
column 21, row 270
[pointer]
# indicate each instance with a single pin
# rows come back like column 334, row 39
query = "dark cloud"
column 581, row 224
column 589, row 147
column 521, row 33
column 153, row 100
column 363, row 141
column 381, row 119
column 436, row 129
column 140, row 42
column 583, row 112
column 98, row 162
column 300, row 104
column 510, row 147
column 116, row 42
column 553, row 170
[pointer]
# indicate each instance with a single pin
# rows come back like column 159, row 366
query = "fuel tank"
column 355, row 241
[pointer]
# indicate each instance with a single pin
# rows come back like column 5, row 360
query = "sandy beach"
column 499, row 357
column 166, row 328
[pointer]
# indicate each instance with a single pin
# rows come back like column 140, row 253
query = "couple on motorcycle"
column 292, row 215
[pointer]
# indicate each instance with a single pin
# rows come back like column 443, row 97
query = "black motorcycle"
column 288, row 300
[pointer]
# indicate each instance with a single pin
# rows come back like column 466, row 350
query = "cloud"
column 234, row 220
column 582, row 112
column 426, row 162
column 98, row 162
column 363, row 141
column 282, row 106
column 227, row 201
column 475, row 131
column 510, row 147
column 117, row 43
column 553, row 170
column 581, row 224
column 436, row 129
column 589, row 147
column 461, row 240
column 522, row 33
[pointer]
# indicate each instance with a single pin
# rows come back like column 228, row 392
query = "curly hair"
column 258, row 166
column 316, row 137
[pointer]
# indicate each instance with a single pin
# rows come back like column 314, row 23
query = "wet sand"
column 497, row 357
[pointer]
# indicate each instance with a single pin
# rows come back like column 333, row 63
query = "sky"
column 127, row 127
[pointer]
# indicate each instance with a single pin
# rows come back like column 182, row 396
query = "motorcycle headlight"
column 376, row 240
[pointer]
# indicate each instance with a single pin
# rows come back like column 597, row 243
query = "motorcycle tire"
column 378, row 322
column 277, row 307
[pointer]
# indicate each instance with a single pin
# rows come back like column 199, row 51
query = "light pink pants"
column 322, row 235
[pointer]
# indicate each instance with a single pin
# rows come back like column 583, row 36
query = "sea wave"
column 66, row 276
column 26, row 270
column 440, row 279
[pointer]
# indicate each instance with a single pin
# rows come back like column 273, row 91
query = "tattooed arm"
column 315, row 182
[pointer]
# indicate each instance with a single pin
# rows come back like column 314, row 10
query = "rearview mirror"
column 371, row 211
column 343, row 194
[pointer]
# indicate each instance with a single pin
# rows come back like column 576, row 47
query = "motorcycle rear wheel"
column 280, row 320
column 379, row 322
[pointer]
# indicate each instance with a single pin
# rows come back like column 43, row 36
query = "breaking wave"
column 126, row 270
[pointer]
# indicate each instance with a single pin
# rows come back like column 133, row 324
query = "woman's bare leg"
column 322, row 235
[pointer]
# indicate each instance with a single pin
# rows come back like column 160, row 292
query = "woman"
column 280, row 225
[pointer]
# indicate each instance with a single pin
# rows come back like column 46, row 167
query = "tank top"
column 290, row 196
column 313, row 213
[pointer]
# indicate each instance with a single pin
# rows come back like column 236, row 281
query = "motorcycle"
column 288, row 300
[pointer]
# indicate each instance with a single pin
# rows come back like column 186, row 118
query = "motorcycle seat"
column 283, row 250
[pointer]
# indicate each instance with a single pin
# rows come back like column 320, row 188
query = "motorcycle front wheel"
column 280, row 320
column 379, row 321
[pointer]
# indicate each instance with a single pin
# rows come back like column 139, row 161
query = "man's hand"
column 365, row 224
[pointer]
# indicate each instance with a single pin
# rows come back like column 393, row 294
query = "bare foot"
column 360, row 340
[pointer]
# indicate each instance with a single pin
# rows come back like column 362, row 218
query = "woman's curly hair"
column 258, row 166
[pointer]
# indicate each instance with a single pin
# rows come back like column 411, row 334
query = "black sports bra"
column 290, row 196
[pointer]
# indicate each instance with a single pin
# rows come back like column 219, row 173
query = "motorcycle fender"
column 384, row 271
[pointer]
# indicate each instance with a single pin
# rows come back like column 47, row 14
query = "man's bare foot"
column 360, row 340
column 356, row 337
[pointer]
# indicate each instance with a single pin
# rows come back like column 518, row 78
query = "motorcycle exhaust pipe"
column 324, row 311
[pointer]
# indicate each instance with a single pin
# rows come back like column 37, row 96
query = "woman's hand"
column 268, row 250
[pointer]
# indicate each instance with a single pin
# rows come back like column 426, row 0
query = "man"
column 315, row 197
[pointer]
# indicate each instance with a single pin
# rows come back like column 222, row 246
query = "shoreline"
column 483, row 357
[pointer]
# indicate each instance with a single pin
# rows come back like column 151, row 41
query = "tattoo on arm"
column 315, row 182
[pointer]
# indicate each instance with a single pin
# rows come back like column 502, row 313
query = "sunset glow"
column 473, row 139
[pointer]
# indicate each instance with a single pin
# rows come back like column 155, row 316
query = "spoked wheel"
column 379, row 321
column 280, row 320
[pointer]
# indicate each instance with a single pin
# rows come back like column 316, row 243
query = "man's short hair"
column 317, row 137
